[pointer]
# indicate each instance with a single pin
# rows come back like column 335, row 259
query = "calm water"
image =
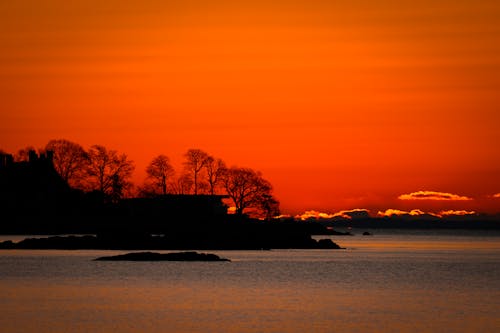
column 389, row 282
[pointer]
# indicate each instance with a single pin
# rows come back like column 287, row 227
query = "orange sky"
column 341, row 106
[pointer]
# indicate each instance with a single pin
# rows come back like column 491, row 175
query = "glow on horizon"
column 456, row 213
column 418, row 212
column 350, row 214
column 345, row 214
column 413, row 212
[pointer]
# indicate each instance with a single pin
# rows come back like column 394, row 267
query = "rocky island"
column 153, row 256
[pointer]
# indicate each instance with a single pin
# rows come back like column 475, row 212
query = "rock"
column 8, row 244
column 153, row 256
column 327, row 244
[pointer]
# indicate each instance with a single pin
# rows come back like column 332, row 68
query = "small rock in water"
column 153, row 256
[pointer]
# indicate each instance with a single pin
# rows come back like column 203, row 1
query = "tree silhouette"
column 23, row 154
column 215, row 170
column 269, row 205
column 246, row 188
column 70, row 161
column 182, row 184
column 108, row 172
column 159, row 171
column 195, row 161
column 147, row 190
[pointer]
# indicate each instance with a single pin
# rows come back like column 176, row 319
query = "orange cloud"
column 282, row 216
column 418, row 212
column 432, row 195
column 349, row 214
column 456, row 213
column 413, row 212
column 313, row 214
column 496, row 195
column 345, row 214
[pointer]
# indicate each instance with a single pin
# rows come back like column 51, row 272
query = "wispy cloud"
column 308, row 214
column 345, row 214
column 283, row 216
column 496, row 195
column 456, row 213
column 433, row 195
column 418, row 212
column 391, row 212
column 352, row 213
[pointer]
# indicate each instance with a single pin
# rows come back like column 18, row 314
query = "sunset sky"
column 340, row 104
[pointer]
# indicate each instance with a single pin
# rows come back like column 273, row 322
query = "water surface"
column 389, row 282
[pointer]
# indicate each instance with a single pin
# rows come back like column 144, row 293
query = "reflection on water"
column 383, row 283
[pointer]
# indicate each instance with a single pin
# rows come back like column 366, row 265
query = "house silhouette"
column 33, row 187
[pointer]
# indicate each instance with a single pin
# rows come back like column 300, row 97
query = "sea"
column 391, row 281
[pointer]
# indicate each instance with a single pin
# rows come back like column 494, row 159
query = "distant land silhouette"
column 36, row 200
column 475, row 222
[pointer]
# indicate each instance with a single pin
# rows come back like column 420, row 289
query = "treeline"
column 103, row 170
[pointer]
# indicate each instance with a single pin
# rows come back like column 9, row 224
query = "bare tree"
column 70, row 161
column 195, row 161
column 246, row 188
column 182, row 184
column 159, row 172
column 269, row 206
column 108, row 172
column 215, row 170
column 120, row 187
column 147, row 190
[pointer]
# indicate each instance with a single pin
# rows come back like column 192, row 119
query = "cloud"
column 391, row 212
column 353, row 213
column 420, row 213
column 343, row 214
column 432, row 195
column 388, row 213
column 308, row 214
column 496, row 195
column 456, row 213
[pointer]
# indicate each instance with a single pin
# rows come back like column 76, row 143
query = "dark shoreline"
column 108, row 242
column 229, row 233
